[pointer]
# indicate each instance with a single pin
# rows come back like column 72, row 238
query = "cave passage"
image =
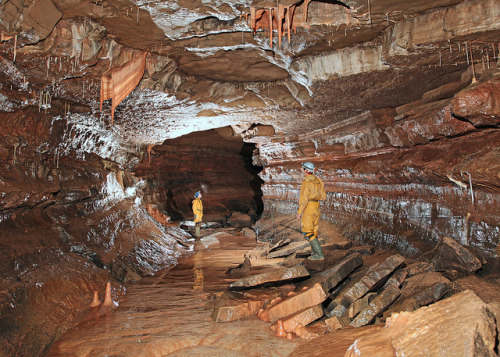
column 214, row 162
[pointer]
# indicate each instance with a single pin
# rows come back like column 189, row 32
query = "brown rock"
column 303, row 300
column 397, row 278
column 420, row 290
column 374, row 277
column 363, row 249
column 236, row 309
column 480, row 104
column 330, row 278
column 288, row 249
column 304, row 318
column 458, row 326
column 418, row 268
column 281, row 274
column 360, row 304
column 346, row 244
column 335, row 323
column 377, row 306
column 445, row 91
column 453, row 256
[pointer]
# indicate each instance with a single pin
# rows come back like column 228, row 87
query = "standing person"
column 311, row 192
column 198, row 213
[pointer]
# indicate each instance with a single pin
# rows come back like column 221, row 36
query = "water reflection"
column 167, row 315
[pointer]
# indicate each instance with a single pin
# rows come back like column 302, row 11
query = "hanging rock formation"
column 119, row 82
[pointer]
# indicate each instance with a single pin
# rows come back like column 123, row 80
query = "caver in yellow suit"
column 311, row 192
column 198, row 213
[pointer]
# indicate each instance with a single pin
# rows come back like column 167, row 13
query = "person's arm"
column 303, row 199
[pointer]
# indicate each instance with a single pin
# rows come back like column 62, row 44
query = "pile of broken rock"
column 355, row 287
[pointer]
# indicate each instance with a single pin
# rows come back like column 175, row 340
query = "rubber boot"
column 197, row 232
column 317, row 251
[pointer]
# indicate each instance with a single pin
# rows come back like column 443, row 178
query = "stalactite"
column 150, row 147
column 270, row 27
column 119, row 82
column 474, row 80
column 279, row 16
column 288, row 21
column 15, row 47
column 467, row 52
column 306, row 6
column 369, row 13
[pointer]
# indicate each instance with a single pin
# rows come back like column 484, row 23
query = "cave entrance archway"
column 216, row 162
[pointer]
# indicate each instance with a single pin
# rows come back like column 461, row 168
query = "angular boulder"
column 292, row 304
column 281, row 274
column 374, row 277
column 377, row 306
column 460, row 325
column 453, row 256
column 304, row 317
column 330, row 278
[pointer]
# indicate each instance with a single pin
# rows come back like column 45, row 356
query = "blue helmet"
column 309, row 166
column 196, row 194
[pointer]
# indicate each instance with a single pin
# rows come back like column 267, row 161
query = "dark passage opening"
column 216, row 162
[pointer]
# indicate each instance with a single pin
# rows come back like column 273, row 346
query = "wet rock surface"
column 395, row 102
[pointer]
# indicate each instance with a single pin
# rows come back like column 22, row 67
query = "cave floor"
column 169, row 314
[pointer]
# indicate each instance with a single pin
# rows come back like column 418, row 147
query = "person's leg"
column 315, row 245
column 197, row 227
column 310, row 222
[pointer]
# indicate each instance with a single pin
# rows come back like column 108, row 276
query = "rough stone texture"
column 457, row 326
column 282, row 274
column 288, row 306
column 479, row 104
column 335, row 323
column 236, row 310
column 330, row 278
column 377, row 306
column 397, row 278
column 303, row 318
column 360, row 304
column 363, row 250
column 346, row 92
column 420, row 290
column 374, row 277
column 288, row 249
column 452, row 256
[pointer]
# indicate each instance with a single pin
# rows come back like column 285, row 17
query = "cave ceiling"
column 216, row 63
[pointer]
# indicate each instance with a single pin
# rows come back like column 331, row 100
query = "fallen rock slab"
column 420, row 290
column 236, row 310
column 304, row 318
column 374, row 277
column 330, row 278
column 460, row 325
column 292, row 304
column 232, row 309
column 363, row 249
column 280, row 274
column 360, row 304
column 335, row 323
column 288, row 249
column 379, row 304
column 453, row 256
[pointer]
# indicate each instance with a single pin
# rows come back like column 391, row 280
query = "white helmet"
column 309, row 166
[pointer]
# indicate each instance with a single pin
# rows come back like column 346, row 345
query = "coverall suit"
column 198, row 214
column 311, row 192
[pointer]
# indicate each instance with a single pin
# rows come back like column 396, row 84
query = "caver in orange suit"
column 311, row 192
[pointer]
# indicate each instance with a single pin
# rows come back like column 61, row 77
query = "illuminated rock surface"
column 395, row 102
